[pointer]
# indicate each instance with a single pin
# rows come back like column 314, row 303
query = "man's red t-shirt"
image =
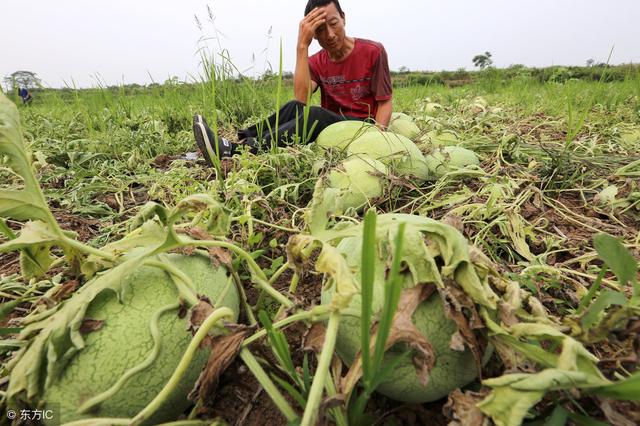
column 352, row 86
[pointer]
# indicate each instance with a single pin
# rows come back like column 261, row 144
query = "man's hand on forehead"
column 308, row 26
column 317, row 13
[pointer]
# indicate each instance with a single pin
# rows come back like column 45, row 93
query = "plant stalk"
column 320, row 378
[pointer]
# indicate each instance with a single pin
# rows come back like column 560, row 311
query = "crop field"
column 483, row 270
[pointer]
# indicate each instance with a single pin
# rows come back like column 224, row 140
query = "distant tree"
column 267, row 75
column 403, row 70
column 483, row 61
column 172, row 81
column 26, row 79
column 590, row 62
column 460, row 74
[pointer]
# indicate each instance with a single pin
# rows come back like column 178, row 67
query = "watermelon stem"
column 183, row 283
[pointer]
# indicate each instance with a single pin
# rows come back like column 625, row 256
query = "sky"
column 95, row 42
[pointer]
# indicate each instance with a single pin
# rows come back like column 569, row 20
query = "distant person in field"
column 25, row 95
column 352, row 74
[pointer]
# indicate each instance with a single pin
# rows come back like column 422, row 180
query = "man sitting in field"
column 352, row 74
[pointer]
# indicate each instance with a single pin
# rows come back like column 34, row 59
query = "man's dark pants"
column 291, row 120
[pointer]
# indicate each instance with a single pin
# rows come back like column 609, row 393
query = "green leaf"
column 150, row 233
column 446, row 242
column 279, row 346
column 219, row 218
column 293, row 392
column 626, row 390
column 34, row 243
column 32, row 234
column 57, row 335
column 368, row 267
column 587, row 298
column 11, row 139
column 10, row 330
column 7, row 307
column 6, row 231
column 306, row 373
column 518, row 234
column 321, row 206
column 513, row 395
column 393, row 288
column 602, row 302
column 330, row 262
column 203, row 206
column 586, row 420
column 27, row 203
column 558, row 417
column 150, row 211
column 8, row 345
column 508, row 407
column 35, row 261
column 618, row 258
column 22, row 205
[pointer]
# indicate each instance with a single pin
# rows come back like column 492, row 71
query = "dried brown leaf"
column 507, row 314
column 454, row 220
column 183, row 309
column 402, row 331
column 335, row 401
column 461, row 408
column 197, row 315
column 224, row 350
column 186, row 251
column 614, row 417
column 47, row 302
column 460, row 308
column 457, row 342
column 314, row 339
column 90, row 325
column 65, row 290
column 218, row 255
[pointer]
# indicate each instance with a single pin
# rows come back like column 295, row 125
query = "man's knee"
column 317, row 112
column 294, row 104
column 323, row 115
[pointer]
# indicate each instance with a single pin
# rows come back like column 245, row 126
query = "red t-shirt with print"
column 353, row 86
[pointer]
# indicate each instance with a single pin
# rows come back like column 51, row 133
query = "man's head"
column 331, row 35
column 312, row 4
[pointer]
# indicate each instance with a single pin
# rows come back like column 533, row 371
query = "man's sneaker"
column 205, row 140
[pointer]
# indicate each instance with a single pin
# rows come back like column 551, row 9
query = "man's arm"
column 303, row 86
column 382, row 90
column 383, row 115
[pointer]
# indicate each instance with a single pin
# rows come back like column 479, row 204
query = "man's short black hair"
column 312, row 4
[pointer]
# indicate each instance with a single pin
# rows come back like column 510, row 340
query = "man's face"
column 331, row 34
